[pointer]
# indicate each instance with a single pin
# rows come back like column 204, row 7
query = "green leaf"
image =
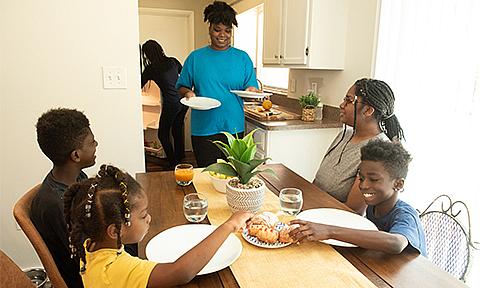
column 248, row 154
column 222, row 168
column 257, row 162
column 242, row 168
column 223, row 147
column 230, row 138
column 249, row 138
column 238, row 147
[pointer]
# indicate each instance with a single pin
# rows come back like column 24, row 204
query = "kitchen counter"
column 293, row 124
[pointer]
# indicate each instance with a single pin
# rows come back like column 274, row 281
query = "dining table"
column 407, row 269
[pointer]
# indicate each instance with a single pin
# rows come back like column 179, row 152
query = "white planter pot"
column 246, row 199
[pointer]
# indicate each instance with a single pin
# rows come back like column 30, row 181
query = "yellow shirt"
column 107, row 269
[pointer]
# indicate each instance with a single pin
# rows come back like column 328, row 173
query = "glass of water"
column 195, row 206
column 291, row 200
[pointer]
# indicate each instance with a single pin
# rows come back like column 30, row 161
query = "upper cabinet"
column 305, row 33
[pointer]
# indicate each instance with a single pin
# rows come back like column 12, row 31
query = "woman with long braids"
column 213, row 71
column 164, row 71
column 367, row 112
column 110, row 210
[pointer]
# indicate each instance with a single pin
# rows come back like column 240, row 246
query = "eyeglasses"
column 349, row 100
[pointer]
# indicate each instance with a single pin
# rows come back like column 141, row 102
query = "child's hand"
column 252, row 89
column 309, row 231
column 239, row 220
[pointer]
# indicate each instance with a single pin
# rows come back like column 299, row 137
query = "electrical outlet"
column 315, row 87
column 114, row 77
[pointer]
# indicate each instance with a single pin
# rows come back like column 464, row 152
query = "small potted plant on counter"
column 244, row 192
column 309, row 103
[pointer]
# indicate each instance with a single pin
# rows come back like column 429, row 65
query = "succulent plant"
column 241, row 162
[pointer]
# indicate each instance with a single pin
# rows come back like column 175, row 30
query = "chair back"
column 448, row 241
column 21, row 212
column 12, row 275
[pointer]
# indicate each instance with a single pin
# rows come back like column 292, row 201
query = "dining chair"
column 449, row 243
column 21, row 212
column 12, row 275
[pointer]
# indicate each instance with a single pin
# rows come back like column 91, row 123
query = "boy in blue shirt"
column 382, row 172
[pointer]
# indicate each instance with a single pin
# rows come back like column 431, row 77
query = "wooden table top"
column 408, row 269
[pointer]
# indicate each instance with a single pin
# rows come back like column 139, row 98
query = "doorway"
column 174, row 30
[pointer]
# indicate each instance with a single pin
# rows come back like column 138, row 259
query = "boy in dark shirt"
column 382, row 172
column 64, row 136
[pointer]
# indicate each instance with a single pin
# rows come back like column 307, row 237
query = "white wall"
column 52, row 53
column 197, row 6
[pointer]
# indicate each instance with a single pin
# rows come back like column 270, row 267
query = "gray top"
column 336, row 177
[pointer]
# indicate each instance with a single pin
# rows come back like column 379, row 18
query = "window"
column 249, row 37
column 428, row 51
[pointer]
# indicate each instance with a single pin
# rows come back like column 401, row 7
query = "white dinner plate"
column 200, row 103
column 337, row 217
column 250, row 94
column 259, row 243
column 172, row 243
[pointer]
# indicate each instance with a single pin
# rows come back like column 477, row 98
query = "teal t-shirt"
column 213, row 73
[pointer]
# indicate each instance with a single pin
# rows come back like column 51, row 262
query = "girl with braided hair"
column 367, row 112
column 164, row 71
column 213, row 71
column 110, row 210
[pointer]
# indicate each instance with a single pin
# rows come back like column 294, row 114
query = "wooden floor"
column 155, row 164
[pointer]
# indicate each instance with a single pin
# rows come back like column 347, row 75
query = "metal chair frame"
column 452, row 209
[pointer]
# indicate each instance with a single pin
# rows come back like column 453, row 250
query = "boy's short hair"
column 394, row 157
column 60, row 131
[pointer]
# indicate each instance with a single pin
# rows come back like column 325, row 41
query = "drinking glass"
column 195, row 206
column 291, row 200
column 183, row 174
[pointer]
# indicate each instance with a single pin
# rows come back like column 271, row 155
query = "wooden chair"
column 12, row 275
column 21, row 212
column 449, row 243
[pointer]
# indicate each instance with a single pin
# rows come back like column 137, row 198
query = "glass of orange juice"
column 184, row 174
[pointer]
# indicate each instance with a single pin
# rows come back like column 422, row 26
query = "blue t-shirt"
column 403, row 220
column 213, row 73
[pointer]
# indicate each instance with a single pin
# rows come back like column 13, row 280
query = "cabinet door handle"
column 276, row 56
column 281, row 56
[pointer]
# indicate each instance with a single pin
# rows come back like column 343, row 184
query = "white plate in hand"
column 200, row 103
column 337, row 217
column 172, row 243
column 250, row 94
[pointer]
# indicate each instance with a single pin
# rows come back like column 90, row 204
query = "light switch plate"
column 114, row 77
column 293, row 84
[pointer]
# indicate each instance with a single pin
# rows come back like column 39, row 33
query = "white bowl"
column 219, row 184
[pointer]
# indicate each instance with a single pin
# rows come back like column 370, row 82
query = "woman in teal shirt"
column 213, row 71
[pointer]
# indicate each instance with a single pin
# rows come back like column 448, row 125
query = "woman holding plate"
column 213, row 71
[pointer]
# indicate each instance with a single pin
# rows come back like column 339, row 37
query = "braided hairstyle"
column 394, row 157
column 92, row 205
column 379, row 95
column 220, row 13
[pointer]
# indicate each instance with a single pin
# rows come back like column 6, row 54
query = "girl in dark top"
column 164, row 71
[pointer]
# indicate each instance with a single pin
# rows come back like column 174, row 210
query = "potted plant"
column 309, row 103
column 244, row 192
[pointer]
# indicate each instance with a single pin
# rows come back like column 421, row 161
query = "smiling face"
column 376, row 184
column 140, row 221
column 220, row 36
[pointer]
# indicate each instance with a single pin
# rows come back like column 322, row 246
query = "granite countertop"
column 330, row 117
column 294, row 124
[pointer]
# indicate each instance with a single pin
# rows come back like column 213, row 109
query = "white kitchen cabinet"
column 305, row 33
column 301, row 150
